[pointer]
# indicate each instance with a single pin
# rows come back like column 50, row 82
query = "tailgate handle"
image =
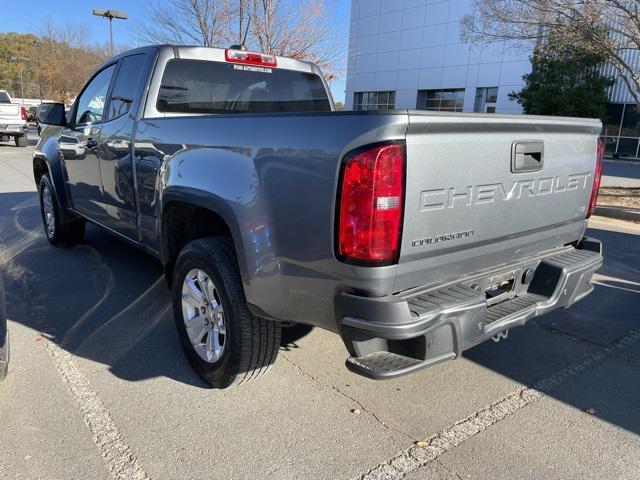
column 527, row 156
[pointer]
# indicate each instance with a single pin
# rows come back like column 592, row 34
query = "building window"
column 374, row 100
column 486, row 99
column 622, row 130
column 445, row 100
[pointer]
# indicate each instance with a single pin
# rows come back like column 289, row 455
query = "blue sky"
column 27, row 19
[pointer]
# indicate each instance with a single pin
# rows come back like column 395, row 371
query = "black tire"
column 21, row 141
column 4, row 358
column 251, row 344
column 66, row 230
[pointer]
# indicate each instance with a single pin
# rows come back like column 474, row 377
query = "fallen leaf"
column 422, row 443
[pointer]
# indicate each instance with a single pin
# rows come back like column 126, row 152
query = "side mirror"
column 52, row 114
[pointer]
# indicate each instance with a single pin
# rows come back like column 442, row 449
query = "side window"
column 92, row 101
column 126, row 86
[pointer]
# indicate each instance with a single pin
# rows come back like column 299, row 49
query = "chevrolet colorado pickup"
column 13, row 121
column 413, row 235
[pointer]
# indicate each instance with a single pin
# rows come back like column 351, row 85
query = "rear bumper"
column 12, row 129
column 422, row 328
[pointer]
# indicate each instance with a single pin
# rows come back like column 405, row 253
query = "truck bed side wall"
column 273, row 179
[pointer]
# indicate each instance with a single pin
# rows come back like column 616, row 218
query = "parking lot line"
column 120, row 460
column 430, row 449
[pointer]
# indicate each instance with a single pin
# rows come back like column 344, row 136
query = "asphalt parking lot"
column 99, row 388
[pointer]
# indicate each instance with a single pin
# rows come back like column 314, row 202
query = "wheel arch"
column 47, row 161
column 189, row 214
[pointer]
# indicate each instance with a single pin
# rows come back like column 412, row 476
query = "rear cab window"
column 208, row 87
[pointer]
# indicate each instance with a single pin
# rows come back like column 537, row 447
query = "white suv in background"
column 13, row 121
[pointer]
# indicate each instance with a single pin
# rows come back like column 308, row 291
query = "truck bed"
column 465, row 211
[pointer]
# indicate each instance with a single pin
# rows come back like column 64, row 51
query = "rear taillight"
column 597, row 174
column 370, row 205
column 23, row 112
column 250, row 58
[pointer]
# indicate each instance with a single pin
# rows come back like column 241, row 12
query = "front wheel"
column 58, row 230
column 224, row 343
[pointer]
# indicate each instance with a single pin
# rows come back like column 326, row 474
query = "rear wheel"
column 21, row 141
column 58, row 229
column 224, row 343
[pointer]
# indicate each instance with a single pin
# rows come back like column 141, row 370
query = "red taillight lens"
column 250, row 58
column 23, row 112
column 597, row 174
column 371, row 205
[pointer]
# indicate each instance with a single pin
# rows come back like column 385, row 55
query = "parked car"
column 71, row 146
column 4, row 335
column 13, row 121
column 32, row 114
column 413, row 235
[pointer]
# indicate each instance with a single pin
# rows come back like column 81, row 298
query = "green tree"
column 610, row 28
column 566, row 81
column 53, row 64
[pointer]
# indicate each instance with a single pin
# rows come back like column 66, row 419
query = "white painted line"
column 452, row 436
column 121, row 462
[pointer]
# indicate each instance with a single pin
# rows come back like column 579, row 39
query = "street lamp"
column 37, row 46
column 21, row 60
column 110, row 14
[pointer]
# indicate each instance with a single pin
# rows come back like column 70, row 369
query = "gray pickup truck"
column 413, row 235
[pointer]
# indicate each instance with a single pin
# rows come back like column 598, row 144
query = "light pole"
column 37, row 46
column 21, row 60
column 110, row 14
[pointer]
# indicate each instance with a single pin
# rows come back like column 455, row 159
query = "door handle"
column 91, row 143
column 527, row 156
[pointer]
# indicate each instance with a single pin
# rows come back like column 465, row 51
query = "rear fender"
column 206, row 200
column 193, row 175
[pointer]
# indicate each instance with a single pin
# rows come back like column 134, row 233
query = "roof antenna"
column 243, row 45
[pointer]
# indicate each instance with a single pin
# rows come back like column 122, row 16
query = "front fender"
column 47, row 152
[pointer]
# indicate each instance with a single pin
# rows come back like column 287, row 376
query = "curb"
column 619, row 213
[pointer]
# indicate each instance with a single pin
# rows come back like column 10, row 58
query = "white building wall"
column 411, row 45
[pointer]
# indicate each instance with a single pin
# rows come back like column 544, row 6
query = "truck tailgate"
column 487, row 190
column 10, row 112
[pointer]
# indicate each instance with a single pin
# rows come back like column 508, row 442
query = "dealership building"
column 408, row 54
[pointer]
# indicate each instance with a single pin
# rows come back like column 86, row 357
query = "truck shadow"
column 103, row 300
column 108, row 302
column 608, row 389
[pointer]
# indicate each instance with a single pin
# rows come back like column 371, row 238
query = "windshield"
column 4, row 97
column 197, row 86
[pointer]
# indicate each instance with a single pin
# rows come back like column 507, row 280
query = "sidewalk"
column 620, row 174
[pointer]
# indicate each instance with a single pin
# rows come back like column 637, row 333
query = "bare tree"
column 304, row 30
column 301, row 30
column 61, row 60
column 187, row 22
column 73, row 35
column 609, row 28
